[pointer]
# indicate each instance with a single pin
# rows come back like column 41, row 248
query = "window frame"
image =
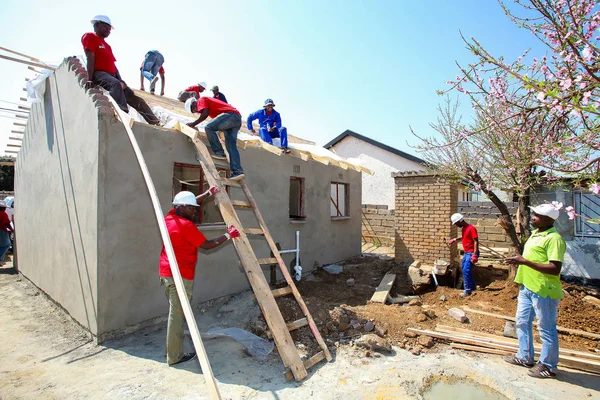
column 580, row 215
column 302, row 216
column 346, row 214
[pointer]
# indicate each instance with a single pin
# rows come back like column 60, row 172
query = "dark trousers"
column 124, row 96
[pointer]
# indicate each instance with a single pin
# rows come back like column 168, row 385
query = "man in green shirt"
column 540, row 293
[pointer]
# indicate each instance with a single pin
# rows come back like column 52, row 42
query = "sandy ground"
column 44, row 355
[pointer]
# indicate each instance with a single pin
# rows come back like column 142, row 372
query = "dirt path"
column 44, row 355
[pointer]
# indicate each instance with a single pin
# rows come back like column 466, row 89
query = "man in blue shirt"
column 271, row 128
column 218, row 95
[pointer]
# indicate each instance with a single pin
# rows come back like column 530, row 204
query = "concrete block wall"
column 424, row 204
column 484, row 216
column 378, row 224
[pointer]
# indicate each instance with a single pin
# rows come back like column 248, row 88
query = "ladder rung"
column 253, row 231
column 284, row 291
column 241, row 204
column 264, row 261
column 292, row 326
column 307, row 364
column 230, row 182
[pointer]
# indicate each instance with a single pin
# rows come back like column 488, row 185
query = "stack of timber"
column 465, row 339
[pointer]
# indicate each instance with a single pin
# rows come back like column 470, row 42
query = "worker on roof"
column 540, row 292
column 218, row 95
column 270, row 128
column 192, row 92
column 225, row 118
column 102, row 70
column 186, row 239
column 151, row 68
column 470, row 242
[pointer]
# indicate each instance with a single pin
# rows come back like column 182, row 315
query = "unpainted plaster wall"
column 56, row 187
column 129, row 242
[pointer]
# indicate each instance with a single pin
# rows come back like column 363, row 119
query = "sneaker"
column 186, row 357
column 541, row 371
column 219, row 157
column 465, row 294
column 517, row 361
column 285, row 149
column 237, row 177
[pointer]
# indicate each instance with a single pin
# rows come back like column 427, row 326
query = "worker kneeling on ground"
column 225, row 118
column 540, row 292
column 470, row 242
column 151, row 68
column 186, row 239
column 271, row 130
column 192, row 92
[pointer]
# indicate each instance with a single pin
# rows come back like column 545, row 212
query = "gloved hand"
column 474, row 258
column 212, row 191
column 232, row 232
column 452, row 241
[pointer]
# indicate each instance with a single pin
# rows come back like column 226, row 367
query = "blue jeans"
column 229, row 124
column 467, row 270
column 152, row 63
column 4, row 244
column 279, row 133
column 529, row 305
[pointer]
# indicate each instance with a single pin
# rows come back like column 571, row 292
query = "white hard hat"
column 188, row 104
column 546, row 209
column 456, row 217
column 203, row 84
column 101, row 18
column 185, row 198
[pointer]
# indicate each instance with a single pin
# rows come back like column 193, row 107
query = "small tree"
column 7, row 174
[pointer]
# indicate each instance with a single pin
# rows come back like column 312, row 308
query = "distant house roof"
column 400, row 153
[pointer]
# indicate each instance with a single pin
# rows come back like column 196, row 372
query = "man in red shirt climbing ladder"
column 186, row 239
column 102, row 70
column 470, row 242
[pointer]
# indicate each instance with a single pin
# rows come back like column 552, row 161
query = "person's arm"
column 276, row 123
column 91, row 62
column 231, row 233
column 202, row 117
column 210, row 192
column 552, row 268
column 223, row 98
column 118, row 76
column 8, row 227
column 162, row 83
column 454, row 240
column 249, row 121
column 475, row 256
column 141, row 80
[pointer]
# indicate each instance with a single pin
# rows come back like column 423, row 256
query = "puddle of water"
column 460, row 390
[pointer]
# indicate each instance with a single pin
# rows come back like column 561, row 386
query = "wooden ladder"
column 280, row 330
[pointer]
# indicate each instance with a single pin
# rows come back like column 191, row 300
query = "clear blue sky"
column 369, row 66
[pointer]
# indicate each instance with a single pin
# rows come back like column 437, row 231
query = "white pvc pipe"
column 297, row 267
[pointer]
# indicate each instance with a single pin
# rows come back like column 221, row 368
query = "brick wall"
column 378, row 224
column 484, row 216
column 424, row 204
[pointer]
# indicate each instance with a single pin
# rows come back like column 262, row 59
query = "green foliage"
column 7, row 175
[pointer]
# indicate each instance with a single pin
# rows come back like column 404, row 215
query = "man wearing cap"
column 192, row 92
column 270, row 126
column 102, row 70
column 470, row 242
column 540, row 292
column 186, row 239
column 218, row 95
column 225, row 118
column 151, row 68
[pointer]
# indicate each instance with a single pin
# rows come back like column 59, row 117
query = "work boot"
column 186, row 357
column 465, row 294
column 285, row 149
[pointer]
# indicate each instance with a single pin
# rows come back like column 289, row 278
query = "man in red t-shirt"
column 470, row 242
column 186, row 239
column 225, row 118
column 102, row 70
column 192, row 91
column 5, row 231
